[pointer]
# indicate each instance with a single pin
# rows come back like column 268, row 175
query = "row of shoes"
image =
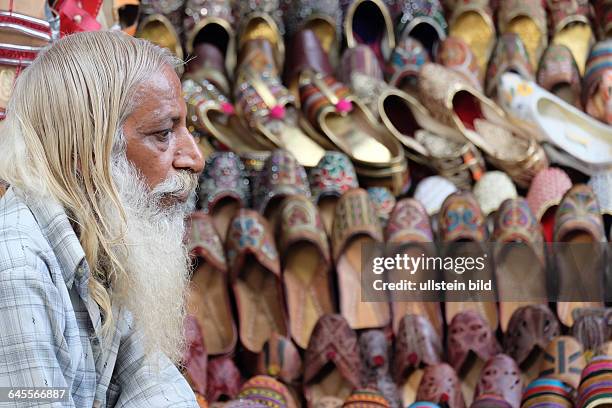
column 535, row 366
column 297, row 255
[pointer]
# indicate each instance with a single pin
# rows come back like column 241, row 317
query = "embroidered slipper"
column 223, row 380
column 470, row 344
column 383, row 202
column 441, row 386
column 195, row 358
column 570, row 25
column 281, row 177
column 520, row 260
column 267, row 391
column 409, row 230
column 374, row 347
column 509, row 55
column 579, row 136
column 280, row 359
column 211, row 22
column 324, row 18
column 355, row 225
column 171, row 9
column 547, row 392
column 455, row 54
column 579, row 225
column 472, row 21
column 492, row 190
column 425, row 140
column 332, row 177
column 544, row 195
column 417, row 346
column 457, row 104
column 500, row 384
column 563, row 360
column 367, row 398
column 158, row 29
column 432, row 191
column 210, row 111
column 261, row 20
column 462, row 227
column 268, row 108
column 360, row 59
column 528, row 333
column 596, row 96
column 208, row 299
column 332, row 365
column 603, row 17
column 224, row 189
column 255, row 275
column 559, row 75
column 346, row 122
column 591, row 329
column 422, row 20
column 369, row 22
column 528, row 20
column 306, row 266
column 405, row 63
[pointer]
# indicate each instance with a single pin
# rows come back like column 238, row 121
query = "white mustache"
column 181, row 184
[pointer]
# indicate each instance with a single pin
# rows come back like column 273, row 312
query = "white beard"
column 156, row 263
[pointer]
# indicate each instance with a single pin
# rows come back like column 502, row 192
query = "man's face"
column 158, row 142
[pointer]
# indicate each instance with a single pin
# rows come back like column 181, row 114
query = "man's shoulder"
column 20, row 235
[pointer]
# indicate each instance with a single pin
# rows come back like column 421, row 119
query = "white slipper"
column 586, row 140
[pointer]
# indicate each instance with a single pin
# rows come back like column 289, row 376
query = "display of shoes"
column 337, row 132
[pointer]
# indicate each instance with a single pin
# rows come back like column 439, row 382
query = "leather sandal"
column 470, row 344
column 462, row 227
column 563, row 360
column 579, row 226
column 280, row 359
column 417, row 346
column 409, row 230
column 369, row 22
column 355, row 224
column 529, row 331
column 332, row 365
column 332, row 177
column 306, row 266
column 520, row 260
column 510, row 55
column 208, row 299
column 255, row 276
column 455, row 103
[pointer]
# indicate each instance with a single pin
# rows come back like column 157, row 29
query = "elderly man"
column 100, row 168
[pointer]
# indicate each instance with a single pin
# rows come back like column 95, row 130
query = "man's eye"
column 164, row 135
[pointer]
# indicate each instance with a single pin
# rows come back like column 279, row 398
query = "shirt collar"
column 55, row 226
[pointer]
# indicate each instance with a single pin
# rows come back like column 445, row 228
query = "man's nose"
column 188, row 155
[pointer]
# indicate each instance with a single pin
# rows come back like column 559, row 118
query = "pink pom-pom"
column 344, row 106
column 227, row 108
column 277, row 112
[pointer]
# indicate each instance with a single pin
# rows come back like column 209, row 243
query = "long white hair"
column 65, row 116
